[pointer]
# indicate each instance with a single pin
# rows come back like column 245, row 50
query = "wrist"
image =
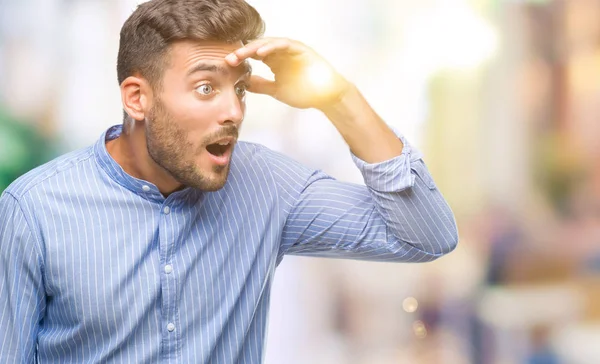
column 340, row 107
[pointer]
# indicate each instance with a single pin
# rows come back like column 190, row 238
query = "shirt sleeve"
column 399, row 215
column 22, row 297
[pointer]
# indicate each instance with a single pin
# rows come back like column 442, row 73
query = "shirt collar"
column 140, row 187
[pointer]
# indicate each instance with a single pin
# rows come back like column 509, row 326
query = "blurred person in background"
column 160, row 241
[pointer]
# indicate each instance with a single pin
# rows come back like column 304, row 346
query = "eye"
column 205, row 89
column 240, row 89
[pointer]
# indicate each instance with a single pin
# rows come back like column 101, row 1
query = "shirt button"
column 167, row 210
column 168, row 268
column 146, row 188
column 171, row 327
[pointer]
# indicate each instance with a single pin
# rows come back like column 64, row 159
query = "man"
column 159, row 243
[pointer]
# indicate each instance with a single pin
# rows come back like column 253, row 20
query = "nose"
column 233, row 109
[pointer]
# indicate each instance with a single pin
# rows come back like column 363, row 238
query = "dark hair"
column 156, row 24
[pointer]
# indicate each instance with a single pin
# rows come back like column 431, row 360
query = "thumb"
column 263, row 86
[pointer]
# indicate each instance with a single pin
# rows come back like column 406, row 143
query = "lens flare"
column 410, row 304
column 320, row 75
column 419, row 329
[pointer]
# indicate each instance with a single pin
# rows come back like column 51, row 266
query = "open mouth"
column 220, row 148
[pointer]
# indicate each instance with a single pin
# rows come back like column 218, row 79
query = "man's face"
column 194, row 121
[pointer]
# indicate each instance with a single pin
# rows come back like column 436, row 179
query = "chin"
column 212, row 188
column 208, row 181
column 214, row 184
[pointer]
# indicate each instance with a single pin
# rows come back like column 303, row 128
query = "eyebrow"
column 244, row 68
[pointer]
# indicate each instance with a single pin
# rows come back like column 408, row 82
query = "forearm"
column 367, row 135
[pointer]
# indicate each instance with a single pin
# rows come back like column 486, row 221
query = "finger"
column 263, row 86
column 278, row 53
column 263, row 48
column 272, row 47
column 239, row 55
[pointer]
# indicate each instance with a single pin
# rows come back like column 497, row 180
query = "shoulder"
column 258, row 165
column 46, row 174
column 258, row 155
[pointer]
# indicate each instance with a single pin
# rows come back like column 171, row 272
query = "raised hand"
column 303, row 79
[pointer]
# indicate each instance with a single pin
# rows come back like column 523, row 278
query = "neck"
column 130, row 151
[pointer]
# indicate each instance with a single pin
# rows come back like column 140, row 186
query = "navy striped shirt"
column 98, row 266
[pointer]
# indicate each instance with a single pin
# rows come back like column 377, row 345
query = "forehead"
column 187, row 54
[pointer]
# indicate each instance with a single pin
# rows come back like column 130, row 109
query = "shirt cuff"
column 392, row 175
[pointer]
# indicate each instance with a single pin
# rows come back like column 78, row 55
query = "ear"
column 136, row 94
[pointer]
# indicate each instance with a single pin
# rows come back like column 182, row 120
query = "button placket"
column 168, row 278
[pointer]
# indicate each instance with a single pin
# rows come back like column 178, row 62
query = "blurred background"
column 501, row 96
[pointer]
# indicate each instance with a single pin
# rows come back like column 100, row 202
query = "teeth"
column 223, row 143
